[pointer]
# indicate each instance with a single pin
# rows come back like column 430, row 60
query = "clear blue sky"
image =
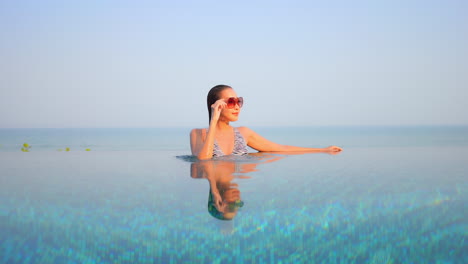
column 301, row 63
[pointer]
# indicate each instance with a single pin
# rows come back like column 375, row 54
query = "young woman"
column 222, row 139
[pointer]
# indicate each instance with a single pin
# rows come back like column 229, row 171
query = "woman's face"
column 229, row 114
column 231, row 195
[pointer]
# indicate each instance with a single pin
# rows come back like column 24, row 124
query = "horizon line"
column 260, row 126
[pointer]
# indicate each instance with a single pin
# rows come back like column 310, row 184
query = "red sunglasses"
column 232, row 101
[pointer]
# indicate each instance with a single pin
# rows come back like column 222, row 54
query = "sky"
column 296, row 63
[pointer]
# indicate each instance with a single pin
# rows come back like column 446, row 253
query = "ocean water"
column 394, row 195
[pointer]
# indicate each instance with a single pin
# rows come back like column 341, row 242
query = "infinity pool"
column 369, row 204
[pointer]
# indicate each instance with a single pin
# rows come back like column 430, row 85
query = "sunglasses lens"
column 231, row 103
column 240, row 101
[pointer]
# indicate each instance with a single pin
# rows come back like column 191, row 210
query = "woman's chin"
column 229, row 215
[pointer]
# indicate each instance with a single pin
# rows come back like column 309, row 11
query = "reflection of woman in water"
column 222, row 139
column 224, row 198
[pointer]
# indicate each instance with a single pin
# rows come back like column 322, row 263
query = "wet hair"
column 213, row 96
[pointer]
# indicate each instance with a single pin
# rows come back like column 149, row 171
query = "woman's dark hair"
column 212, row 209
column 213, row 96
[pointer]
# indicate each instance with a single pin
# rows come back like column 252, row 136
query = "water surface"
column 392, row 196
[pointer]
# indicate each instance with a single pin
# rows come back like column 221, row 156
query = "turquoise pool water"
column 395, row 195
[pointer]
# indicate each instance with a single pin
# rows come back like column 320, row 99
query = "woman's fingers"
column 220, row 206
column 218, row 105
column 334, row 149
column 216, row 108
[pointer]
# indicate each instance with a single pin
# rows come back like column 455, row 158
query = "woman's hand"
column 216, row 109
column 333, row 150
column 218, row 202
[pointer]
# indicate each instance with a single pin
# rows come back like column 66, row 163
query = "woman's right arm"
column 202, row 143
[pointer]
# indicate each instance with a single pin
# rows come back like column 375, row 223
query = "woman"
column 222, row 139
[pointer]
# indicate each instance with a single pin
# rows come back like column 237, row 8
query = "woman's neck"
column 223, row 126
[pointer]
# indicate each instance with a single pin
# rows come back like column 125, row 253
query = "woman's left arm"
column 260, row 143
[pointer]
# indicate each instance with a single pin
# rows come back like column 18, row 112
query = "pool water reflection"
column 224, row 197
column 366, row 205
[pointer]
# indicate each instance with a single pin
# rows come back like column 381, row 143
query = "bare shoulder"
column 198, row 130
column 245, row 131
column 195, row 131
column 198, row 133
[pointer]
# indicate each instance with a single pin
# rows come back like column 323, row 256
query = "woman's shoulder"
column 245, row 131
column 198, row 132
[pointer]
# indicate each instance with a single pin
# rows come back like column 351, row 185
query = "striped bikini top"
column 240, row 147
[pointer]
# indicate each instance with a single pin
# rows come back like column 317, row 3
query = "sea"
column 395, row 194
